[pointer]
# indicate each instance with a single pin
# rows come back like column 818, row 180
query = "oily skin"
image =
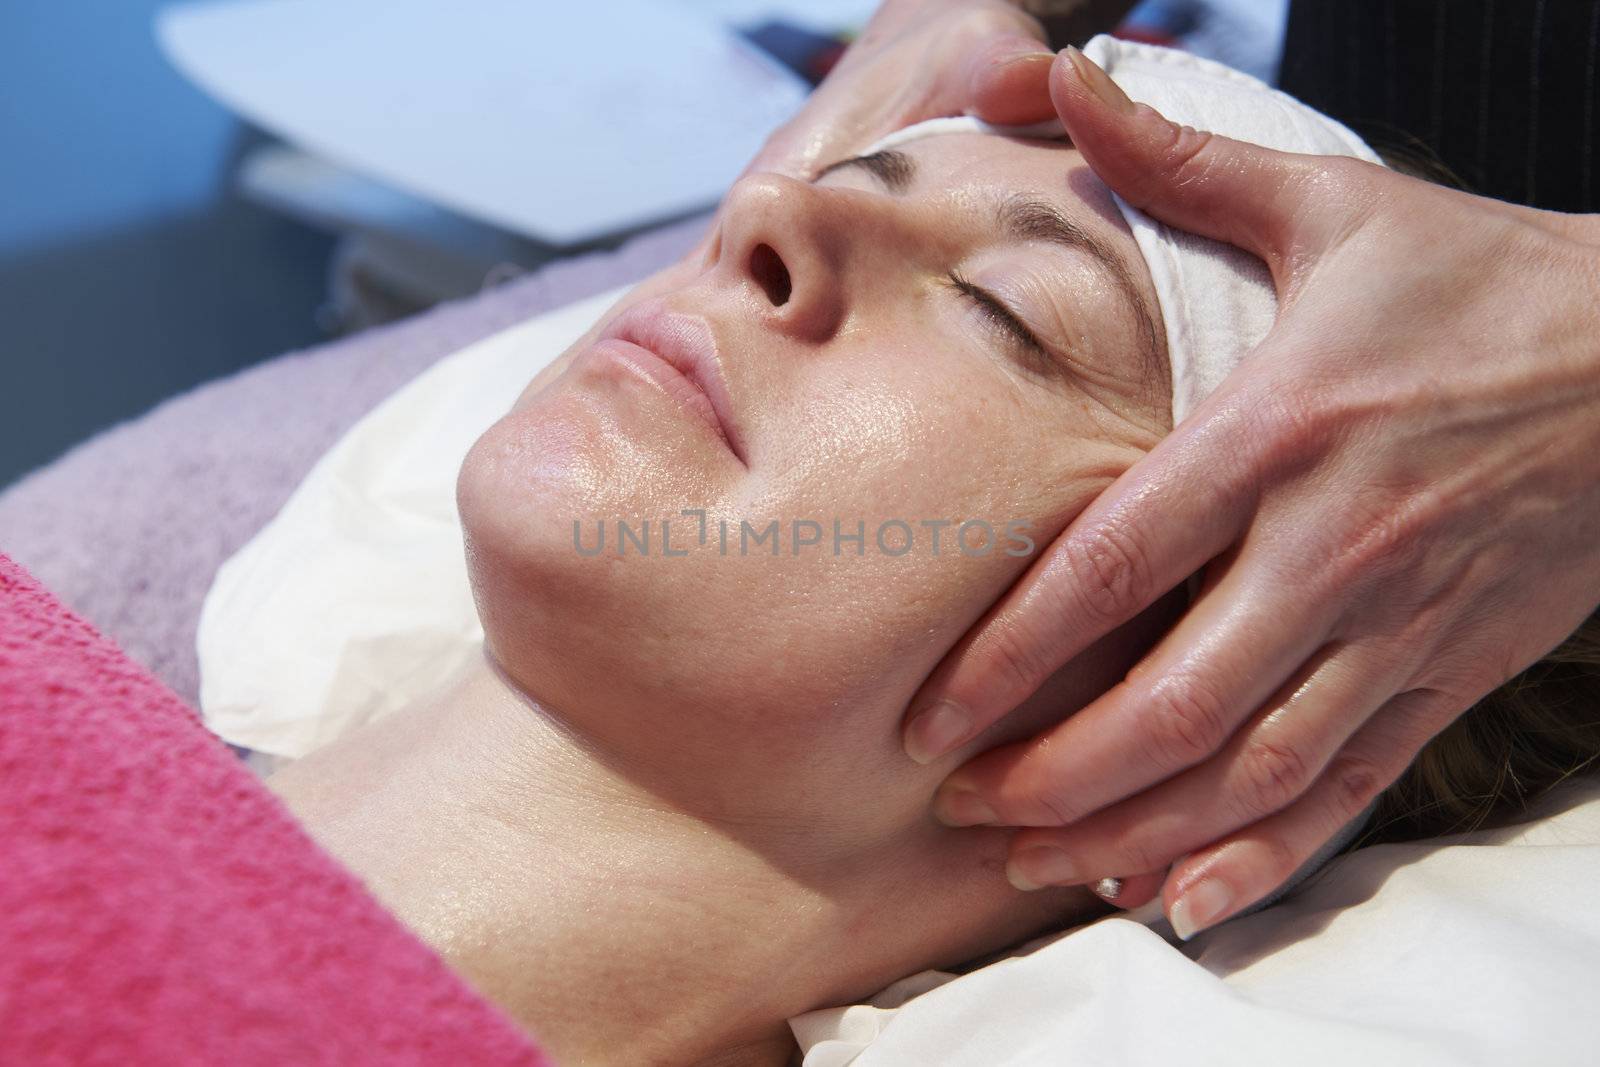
column 669, row 808
column 875, row 392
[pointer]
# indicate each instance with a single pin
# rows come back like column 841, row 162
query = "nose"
column 789, row 244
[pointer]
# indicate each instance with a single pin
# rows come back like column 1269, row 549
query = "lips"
column 688, row 348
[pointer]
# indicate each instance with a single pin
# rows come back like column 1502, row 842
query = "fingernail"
column 962, row 807
column 1108, row 888
column 1099, row 82
column 1025, row 50
column 1039, row 866
column 1200, row 906
column 937, row 729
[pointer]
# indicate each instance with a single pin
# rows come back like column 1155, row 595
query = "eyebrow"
column 1030, row 219
column 894, row 169
column 1026, row 218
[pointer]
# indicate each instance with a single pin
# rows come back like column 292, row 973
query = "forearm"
column 1065, row 21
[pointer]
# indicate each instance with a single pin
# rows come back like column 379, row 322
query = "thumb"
column 1008, row 79
column 1272, row 204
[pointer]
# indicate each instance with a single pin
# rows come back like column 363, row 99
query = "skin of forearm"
column 1065, row 21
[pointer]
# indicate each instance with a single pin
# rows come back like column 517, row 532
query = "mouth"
column 678, row 353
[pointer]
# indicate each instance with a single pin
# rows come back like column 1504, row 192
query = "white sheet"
column 1477, row 949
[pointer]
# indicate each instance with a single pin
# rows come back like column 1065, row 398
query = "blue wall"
column 128, row 270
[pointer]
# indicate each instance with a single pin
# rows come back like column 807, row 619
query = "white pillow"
column 353, row 601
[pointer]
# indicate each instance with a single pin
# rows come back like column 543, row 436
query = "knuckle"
column 1451, row 666
column 1295, row 427
column 1346, row 173
column 1274, row 775
column 1391, row 537
column 1343, row 185
column 1385, row 541
column 1140, row 856
column 1055, row 805
column 1110, row 573
column 1183, row 160
column 1187, row 722
column 1016, row 661
column 1355, row 780
column 1280, row 860
column 1417, row 715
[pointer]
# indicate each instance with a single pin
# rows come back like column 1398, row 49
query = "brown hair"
column 1537, row 730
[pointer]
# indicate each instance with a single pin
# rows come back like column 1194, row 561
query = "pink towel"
column 159, row 906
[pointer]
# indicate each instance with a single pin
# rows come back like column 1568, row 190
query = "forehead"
column 983, row 168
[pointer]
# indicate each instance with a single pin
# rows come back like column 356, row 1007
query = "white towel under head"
column 1217, row 302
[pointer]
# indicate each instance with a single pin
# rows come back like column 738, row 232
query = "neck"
column 619, row 927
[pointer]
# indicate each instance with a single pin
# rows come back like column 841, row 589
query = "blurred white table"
column 559, row 122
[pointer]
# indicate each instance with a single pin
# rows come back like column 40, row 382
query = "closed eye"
column 1001, row 317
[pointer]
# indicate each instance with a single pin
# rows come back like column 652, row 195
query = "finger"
column 1229, row 876
column 1158, row 523
column 1009, row 81
column 1178, row 707
column 1265, row 768
column 1270, row 203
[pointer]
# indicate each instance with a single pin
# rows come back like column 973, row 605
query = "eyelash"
column 997, row 313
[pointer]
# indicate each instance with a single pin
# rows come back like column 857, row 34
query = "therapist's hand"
column 1395, row 500
column 916, row 60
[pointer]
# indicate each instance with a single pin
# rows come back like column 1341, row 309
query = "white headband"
column 1217, row 302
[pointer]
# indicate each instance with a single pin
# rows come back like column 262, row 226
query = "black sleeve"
column 1502, row 92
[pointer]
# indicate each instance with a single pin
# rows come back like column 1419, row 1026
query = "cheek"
column 920, row 430
column 903, row 445
column 889, row 444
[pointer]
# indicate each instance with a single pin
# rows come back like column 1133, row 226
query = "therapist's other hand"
column 916, row 60
column 1395, row 500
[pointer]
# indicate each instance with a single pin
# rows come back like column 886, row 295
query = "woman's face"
column 958, row 332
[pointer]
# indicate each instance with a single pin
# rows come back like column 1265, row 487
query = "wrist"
column 1584, row 229
column 892, row 16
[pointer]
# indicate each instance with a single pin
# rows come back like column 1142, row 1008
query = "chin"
column 572, row 628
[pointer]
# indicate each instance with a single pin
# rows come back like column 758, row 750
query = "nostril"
column 766, row 266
